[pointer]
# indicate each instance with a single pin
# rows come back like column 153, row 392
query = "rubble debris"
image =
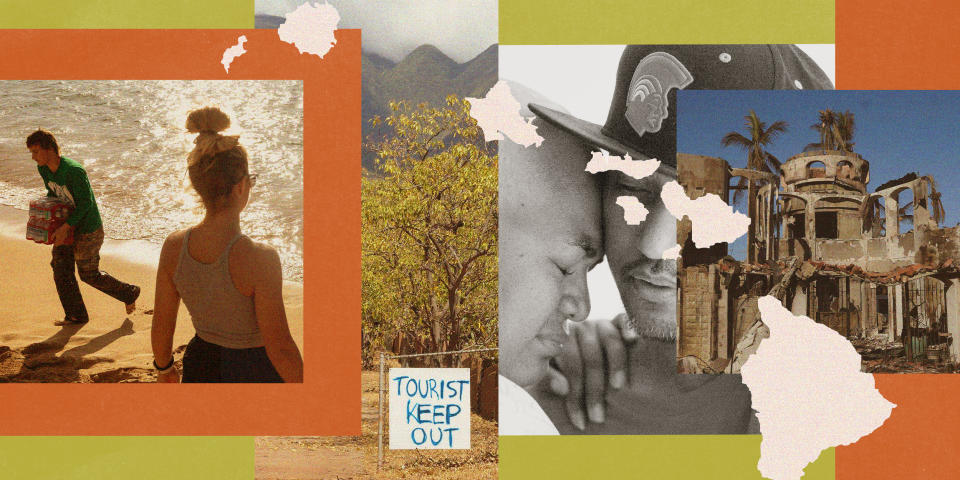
column 812, row 244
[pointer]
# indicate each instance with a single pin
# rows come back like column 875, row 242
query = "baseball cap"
column 643, row 112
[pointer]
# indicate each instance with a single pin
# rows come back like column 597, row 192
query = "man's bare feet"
column 132, row 306
column 66, row 321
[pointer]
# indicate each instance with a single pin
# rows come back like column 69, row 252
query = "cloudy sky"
column 393, row 28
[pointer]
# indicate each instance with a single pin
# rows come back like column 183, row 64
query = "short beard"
column 654, row 330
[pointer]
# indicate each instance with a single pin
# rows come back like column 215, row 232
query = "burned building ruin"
column 875, row 267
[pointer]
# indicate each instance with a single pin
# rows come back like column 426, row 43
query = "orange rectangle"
column 892, row 45
column 883, row 44
column 326, row 403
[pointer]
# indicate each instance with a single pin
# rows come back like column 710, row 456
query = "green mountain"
column 425, row 75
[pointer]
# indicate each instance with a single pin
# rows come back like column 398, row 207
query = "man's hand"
column 594, row 357
column 60, row 234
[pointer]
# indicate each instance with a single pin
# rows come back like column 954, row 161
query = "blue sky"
column 896, row 131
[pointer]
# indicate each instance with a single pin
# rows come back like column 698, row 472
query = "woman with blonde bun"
column 231, row 285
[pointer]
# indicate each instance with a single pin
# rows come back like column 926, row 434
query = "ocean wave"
column 130, row 136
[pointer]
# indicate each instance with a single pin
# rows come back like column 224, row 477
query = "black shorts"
column 206, row 362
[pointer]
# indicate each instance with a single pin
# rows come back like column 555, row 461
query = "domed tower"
column 820, row 200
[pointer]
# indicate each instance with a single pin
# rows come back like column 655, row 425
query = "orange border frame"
column 327, row 402
column 888, row 45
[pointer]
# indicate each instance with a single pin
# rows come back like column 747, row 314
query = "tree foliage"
column 429, row 232
column 758, row 138
column 836, row 131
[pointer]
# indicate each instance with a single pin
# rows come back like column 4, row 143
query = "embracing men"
column 67, row 180
column 626, row 372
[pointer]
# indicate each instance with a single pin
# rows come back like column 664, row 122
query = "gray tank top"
column 220, row 313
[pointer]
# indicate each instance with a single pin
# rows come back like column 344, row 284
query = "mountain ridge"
column 425, row 75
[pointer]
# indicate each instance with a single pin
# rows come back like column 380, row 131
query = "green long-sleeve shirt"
column 70, row 183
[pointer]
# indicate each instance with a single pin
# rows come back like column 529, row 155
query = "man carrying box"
column 67, row 180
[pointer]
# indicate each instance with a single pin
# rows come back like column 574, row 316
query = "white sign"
column 429, row 408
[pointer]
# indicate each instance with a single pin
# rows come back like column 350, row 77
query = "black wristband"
column 164, row 368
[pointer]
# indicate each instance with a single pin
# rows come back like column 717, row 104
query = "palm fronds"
column 758, row 137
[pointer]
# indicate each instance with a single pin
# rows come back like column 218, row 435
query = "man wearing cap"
column 655, row 399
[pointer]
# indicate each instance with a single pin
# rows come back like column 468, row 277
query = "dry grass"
column 477, row 463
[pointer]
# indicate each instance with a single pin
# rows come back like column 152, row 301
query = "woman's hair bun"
column 207, row 119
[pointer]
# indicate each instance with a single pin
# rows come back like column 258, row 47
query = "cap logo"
column 655, row 75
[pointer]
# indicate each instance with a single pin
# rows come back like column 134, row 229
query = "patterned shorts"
column 86, row 250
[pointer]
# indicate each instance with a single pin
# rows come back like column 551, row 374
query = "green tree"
column 429, row 232
column 759, row 137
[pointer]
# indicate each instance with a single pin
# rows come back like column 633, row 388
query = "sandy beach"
column 113, row 346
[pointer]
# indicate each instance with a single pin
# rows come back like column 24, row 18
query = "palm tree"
column 758, row 158
column 760, row 137
column 836, row 131
column 843, row 131
column 827, row 118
